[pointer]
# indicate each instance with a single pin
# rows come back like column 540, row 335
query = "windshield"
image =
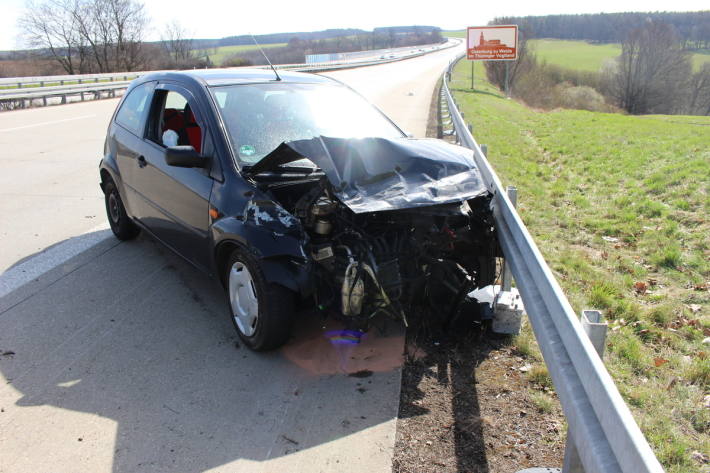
column 259, row 117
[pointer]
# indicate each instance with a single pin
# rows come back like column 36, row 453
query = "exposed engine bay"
column 396, row 262
column 422, row 255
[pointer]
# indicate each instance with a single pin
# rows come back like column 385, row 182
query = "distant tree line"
column 653, row 74
column 691, row 28
column 275, row 38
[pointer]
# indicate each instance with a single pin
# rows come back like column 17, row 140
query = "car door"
column 127, row 136
column 176, row 200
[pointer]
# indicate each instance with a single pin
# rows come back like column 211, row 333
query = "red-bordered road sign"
column 492, row 43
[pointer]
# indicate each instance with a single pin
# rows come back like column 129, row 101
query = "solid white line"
column 36, row 266
column 47, row 123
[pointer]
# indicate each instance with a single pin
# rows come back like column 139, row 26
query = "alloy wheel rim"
column 243, row 299
column 113, row 207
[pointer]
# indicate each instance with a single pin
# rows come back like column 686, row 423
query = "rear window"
column 135, row 107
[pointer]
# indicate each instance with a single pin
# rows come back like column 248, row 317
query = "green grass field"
column 619, row 207
column 577, row 55
column 223, row 52
column 454, row 34
column 580, row 55
column 585, row 56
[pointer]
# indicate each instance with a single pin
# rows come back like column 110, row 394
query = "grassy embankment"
column 223, row 52
column 619, row 207
column 580, row 55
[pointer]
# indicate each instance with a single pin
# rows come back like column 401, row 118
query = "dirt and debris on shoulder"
column 467, row 406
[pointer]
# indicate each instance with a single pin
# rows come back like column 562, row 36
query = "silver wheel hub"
column 113, row 207
column 242, row 298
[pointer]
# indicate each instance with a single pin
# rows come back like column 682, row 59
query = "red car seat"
column 192, row 129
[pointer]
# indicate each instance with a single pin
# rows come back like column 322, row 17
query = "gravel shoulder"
column 468, row 401
column 467, row 405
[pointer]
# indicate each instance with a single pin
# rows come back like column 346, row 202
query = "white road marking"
column 47, row 123
column 31, row 269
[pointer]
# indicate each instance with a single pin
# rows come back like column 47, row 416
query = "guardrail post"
column 596, row 331
column 507, row 274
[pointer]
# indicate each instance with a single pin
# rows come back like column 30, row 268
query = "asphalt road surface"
column 121, row 357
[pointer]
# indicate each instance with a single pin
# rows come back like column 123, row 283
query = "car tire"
column 121, row 224
column 262, row 312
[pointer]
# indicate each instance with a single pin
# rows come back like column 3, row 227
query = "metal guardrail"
column 25, row 82
column 27, row 95
column 605, row 434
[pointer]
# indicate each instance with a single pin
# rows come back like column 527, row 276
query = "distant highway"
column 120, row 356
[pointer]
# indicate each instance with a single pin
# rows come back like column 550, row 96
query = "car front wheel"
column 261, row 312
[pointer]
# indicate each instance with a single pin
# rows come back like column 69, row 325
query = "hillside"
column 218, row 54
column 619, row 207
column 585, row 56
column 581, row 55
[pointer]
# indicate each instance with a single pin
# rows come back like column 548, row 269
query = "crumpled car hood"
column 375, row 174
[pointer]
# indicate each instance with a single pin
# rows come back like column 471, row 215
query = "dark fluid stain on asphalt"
column 361, row 374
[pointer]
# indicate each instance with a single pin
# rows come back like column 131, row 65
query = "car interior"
column 181, row 120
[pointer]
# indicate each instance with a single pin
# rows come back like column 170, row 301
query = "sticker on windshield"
column 247, row 150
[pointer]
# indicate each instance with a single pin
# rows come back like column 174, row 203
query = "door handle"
column 142, row 162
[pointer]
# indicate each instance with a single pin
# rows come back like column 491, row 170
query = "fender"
column 279, row 248
column 108, row 164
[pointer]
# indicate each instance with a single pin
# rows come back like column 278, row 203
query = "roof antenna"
column 265, row 57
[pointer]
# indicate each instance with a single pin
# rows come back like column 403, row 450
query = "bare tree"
column 87, row 35
column 651, row 73
column 699, row 92
column 496, row 70
column 51, row 27
column 176, row 42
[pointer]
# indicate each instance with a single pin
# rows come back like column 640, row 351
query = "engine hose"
column 368, row 270
column 371, row 257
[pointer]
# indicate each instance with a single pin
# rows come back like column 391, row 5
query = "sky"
column 219, row 18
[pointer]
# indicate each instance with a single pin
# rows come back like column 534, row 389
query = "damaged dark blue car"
column 295, row 188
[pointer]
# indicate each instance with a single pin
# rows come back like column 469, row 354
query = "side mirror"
column 184, row 157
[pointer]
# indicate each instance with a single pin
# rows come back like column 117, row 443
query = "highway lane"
column 407, row 98
column 48, row 166
column 124, row 358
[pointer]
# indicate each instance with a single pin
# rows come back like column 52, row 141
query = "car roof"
column 216, row 77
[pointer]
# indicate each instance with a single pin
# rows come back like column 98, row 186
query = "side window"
column 135, row 107
column 174, row 123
